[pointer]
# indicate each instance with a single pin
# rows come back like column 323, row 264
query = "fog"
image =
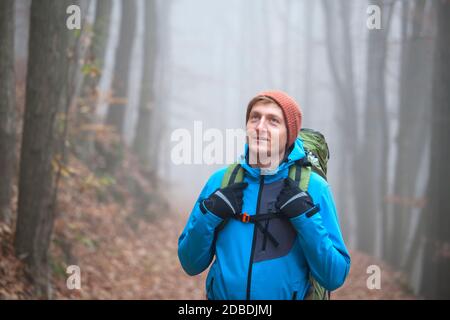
column 367, row 75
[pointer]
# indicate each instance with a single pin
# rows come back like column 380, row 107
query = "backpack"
column 316, row 159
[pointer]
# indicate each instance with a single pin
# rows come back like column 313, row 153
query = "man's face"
column 266, row 134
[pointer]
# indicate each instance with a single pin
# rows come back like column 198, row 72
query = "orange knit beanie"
column 291, row 111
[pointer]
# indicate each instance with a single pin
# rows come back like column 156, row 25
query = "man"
column 273, row 261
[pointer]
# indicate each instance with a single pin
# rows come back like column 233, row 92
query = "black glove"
column 292, row 201
column 225, row 202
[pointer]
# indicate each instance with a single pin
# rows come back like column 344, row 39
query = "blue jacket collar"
column 297, row 153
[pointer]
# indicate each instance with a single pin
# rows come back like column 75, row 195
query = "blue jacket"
column 246, row 265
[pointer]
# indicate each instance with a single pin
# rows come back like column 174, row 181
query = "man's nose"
column 262, row 125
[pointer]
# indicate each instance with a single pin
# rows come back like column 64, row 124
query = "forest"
column 95, row 95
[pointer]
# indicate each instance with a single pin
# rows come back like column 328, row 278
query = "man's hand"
column 292, row 201
column 225, row 202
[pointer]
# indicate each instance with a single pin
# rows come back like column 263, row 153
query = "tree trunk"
column 308, row 54
column 147, row 100
column 372, row 156
column 412, row 135
column 46, row 93
column 340, row 57
column 287, row 66
column 90, row 94
column 7, row 108
column 161, row 111
column 97, row 50
column 117, row 108
column 436, row 275
column 78, row 48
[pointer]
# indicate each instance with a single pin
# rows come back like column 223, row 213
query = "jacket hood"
column 297, row 153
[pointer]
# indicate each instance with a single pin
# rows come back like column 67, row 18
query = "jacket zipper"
column 266, row 227
column 252, row 253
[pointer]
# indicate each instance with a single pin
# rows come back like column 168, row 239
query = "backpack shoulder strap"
column 301, row 173
column 233, row 174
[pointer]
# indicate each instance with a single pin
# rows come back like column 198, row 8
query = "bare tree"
column 46, row 94
column 7, row 108
column 161, row 111
column 93, row 66
column 309, row 53
column 97, row 50
column 117, row 108
column 340, row 58
column 79, row 47
column 415, row 75
column 287, row 21
column 147, row 100
column 435, row 273
column 371, row 164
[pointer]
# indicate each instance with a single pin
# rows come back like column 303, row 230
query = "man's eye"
column 275, row 120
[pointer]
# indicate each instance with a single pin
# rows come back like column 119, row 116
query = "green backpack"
column 317, row 155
